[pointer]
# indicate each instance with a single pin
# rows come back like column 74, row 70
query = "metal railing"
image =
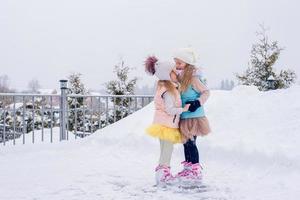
column 44, row 117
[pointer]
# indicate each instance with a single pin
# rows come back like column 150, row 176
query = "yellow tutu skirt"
column 164, row 133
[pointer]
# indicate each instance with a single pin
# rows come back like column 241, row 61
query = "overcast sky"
column 48, row 40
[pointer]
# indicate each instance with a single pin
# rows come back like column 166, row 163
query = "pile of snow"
column 256, row 122
column 252, row 153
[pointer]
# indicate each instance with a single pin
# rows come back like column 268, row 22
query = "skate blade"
column 166, row 185
column 196, row 188
column 191, row 184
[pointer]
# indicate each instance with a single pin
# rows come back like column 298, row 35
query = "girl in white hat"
column 193, row 122
column 166, row 116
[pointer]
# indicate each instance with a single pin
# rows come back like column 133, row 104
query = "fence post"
column 63, row 108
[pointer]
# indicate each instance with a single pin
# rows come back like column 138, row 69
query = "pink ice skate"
column 163, row 175
column 190, row 175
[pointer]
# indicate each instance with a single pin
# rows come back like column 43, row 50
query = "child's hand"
column 186, row 107
column 194, row 105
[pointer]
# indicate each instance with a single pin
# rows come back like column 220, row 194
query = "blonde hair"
column 170, row 87
column 186, row 79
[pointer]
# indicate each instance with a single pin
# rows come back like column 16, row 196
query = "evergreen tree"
column 264, row 55
column 222, row 85
column 4, row 88
column 285, row 79
column 231, row 84
column 4, row 84
column 123, row 85
column 227, row 86
column 34, row 86
column 76, row 104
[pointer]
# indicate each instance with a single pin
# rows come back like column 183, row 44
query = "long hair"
column 186, row 78
column 170, row 87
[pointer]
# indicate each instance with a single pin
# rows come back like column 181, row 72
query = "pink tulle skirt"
column 194, row 127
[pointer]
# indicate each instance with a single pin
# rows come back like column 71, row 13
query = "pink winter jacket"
column 161, row 117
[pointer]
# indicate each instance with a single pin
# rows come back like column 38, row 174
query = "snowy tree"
column 232, row 84
column 227, row 84
column 264, row 55
column 4, row 88
column 285, row 79
column 34, row 86
column 76, row 104
column 123, row 85
column 4, row 85
column 222, row 85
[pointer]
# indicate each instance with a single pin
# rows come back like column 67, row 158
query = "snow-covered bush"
column 28, row 116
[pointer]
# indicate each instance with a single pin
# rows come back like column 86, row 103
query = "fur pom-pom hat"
column 161, row 69
column 187, row 55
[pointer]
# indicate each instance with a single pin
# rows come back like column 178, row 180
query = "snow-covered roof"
column 47, row 91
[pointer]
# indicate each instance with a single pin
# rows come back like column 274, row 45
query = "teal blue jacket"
column 189, row 95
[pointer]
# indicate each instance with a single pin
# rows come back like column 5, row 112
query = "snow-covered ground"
column 253, row 153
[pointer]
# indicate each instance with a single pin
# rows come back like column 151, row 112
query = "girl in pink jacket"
column 166, row 116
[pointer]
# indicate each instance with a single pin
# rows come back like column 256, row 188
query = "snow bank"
column 256, row 122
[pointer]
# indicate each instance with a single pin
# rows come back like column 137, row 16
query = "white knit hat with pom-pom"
column 161, row 69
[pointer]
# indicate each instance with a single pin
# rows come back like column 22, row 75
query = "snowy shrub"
column 28, row 116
